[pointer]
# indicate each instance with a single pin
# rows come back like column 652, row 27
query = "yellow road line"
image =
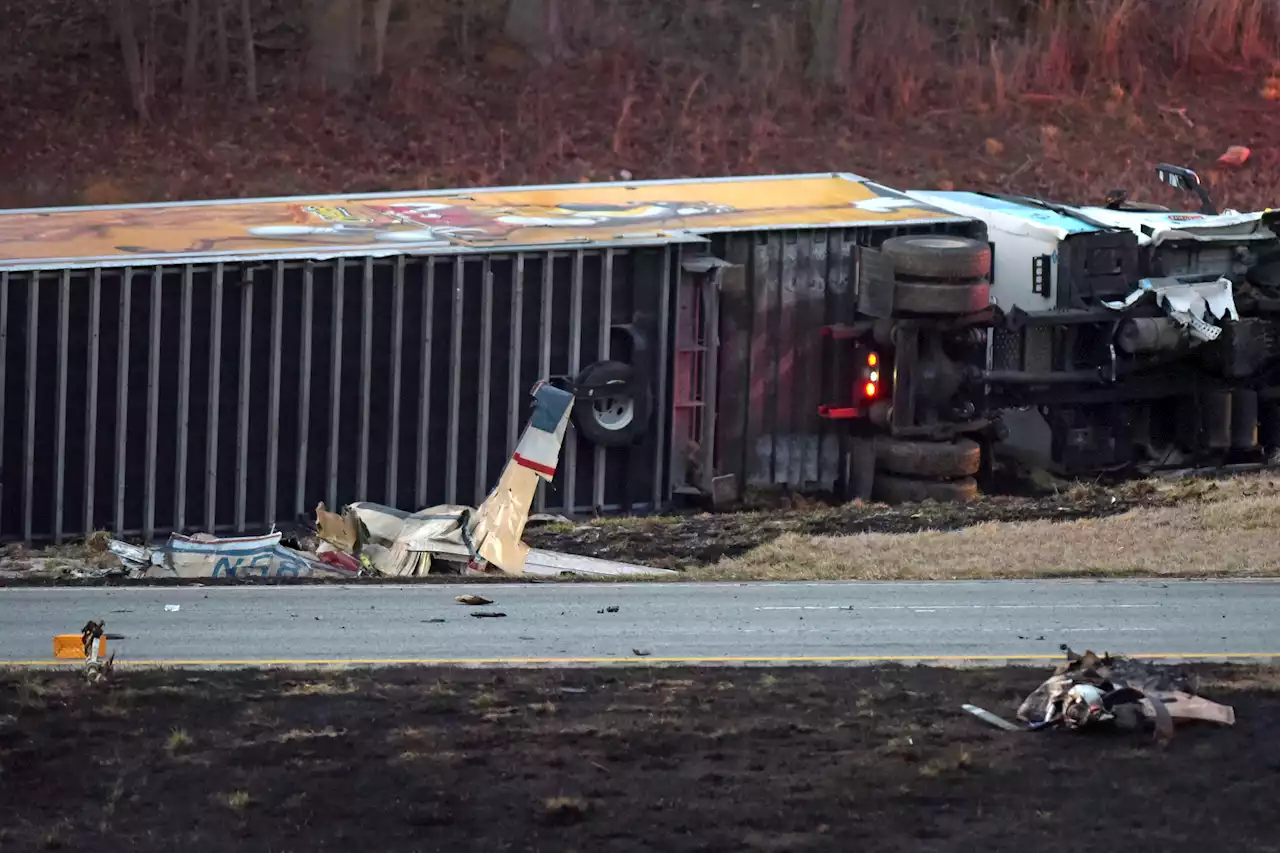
column 614, row 660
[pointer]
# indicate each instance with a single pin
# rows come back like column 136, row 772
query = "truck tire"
column 961, row 458
column 900, row 490
column 930, row 297
column 613, row 420
column 938, row 256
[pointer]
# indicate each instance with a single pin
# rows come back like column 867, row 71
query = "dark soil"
column 834, row 759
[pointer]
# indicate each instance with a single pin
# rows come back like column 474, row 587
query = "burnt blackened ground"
column 622, row 760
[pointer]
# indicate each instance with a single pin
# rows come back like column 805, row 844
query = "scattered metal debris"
column 548, row 518
column 612, row 608
column 371, row 539
column 205, row 556
column 988, row 717
column 134, row 556
column 451, row 539
column 1088, row 691
column 89, row 645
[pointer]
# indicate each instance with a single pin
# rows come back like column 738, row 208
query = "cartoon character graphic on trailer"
column 438, row 223
column 536, row 216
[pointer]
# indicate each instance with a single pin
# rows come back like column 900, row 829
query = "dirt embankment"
column 1159, row 528
column 746, row 544
column 1068, row 99
column 620, row 760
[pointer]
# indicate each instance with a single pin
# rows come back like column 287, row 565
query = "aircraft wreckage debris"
column 1090, row 692
column 90, row 645
column 372, row 540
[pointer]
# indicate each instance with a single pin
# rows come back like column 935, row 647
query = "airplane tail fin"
column 497, row 526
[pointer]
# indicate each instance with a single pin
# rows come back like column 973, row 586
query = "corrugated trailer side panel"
column 784, row 287
column 228, row 397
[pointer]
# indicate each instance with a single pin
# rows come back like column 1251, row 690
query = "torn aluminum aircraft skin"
column 1188, row 303
column 1088, row 690
column 403, row 544
column 203, row 556
column 491, row 534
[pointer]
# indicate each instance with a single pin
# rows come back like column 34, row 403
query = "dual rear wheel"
column 935, row 275
column 913, row 471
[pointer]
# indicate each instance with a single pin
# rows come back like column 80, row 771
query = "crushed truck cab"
column 1116, row 336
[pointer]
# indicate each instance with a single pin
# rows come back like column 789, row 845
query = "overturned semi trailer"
column 225, row 366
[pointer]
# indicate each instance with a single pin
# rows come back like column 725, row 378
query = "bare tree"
column 381, row 17
column 538, row 26
column 222, row 50
column 191, row 59
column 334, row 49
column 833, row 24
column 464, row 26
column 132, row 55
column 250, row 55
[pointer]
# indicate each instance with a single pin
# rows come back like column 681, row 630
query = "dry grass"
column 310, row 734
column 564, row 810
column 486, row 699
column 178, row 739
column 661, row 88
column 1228, row 530
column 337, row 687
column 237, row 801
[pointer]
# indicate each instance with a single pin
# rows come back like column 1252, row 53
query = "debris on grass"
column 563, row 811
column 988, row 717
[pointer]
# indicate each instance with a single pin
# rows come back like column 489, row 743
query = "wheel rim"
column 614, row 413
column 939, row 242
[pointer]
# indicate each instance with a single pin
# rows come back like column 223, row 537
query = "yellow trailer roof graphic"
column 446, row 221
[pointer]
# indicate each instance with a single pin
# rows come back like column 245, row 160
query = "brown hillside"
column 1063, row 98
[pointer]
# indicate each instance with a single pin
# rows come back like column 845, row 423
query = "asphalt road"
column 685, row 622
